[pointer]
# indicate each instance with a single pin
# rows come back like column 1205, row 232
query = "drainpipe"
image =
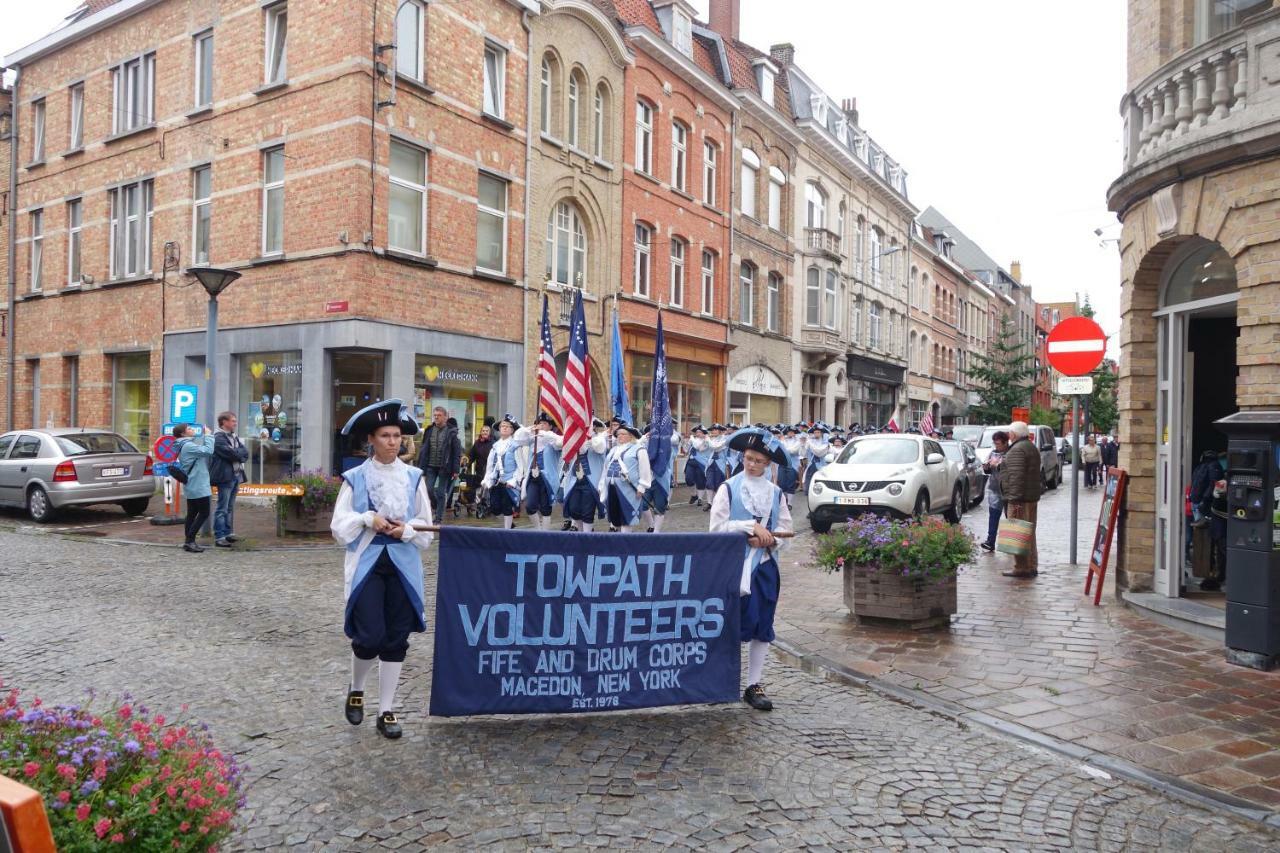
column 728, row 272
column 12, row 355
column 528, row 183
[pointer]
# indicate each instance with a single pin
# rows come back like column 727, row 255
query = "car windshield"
column 952, row 452
column 881, row 451
column 967, row 433
column 985, row 441
column 83, row 443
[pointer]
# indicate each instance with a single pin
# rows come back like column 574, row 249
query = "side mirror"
column 934, row 459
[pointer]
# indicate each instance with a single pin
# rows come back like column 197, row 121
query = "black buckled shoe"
column 567, row 526
column 754, row 696
column 354, row 707
column 389, row 726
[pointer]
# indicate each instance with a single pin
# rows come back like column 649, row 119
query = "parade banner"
column 530, row 622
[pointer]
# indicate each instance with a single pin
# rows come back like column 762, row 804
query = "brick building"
column 936, row 284
column 371, row 197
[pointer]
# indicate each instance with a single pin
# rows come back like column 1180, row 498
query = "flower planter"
column 294, row 519
column 908, row 602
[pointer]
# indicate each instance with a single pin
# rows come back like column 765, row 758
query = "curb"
column 1163, row 783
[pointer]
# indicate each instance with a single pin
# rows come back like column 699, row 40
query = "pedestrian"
column 1020, row 486
column 505, row 473
column 194, row 452
column 1091, row 456
column 226, row 471
column 440, row 457
column 542, row 477
column 626, row 479
column 380, row 506
column 995, row 498
column 1203, row 477
column 748, row 503
column 1110, row 453
column 789, row 470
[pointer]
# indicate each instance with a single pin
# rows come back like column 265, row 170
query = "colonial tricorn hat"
column 596, row 423
column 628, row 428
column 759, row 441
column 699, row 428
column 545, row 418
column 510, row 419
column 383, row 413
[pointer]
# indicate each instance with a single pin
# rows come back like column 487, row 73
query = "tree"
column 1086, row 309
column 1048, row 417
column 1003, row 377
column 1102, row 408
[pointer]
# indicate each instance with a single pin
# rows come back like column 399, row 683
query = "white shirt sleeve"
column 491, row 468
column 421, row 516
column 348, row 525
column 600, row 442
column 646, row 473
column 522, row 436
column 720, row 522
column 523, row 455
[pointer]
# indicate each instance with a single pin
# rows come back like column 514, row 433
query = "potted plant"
column 902, row 571
column 310, row 511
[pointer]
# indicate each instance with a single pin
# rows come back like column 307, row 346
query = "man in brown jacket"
column 1020, row 484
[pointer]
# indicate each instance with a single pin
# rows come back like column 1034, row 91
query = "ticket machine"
column 1253, row 538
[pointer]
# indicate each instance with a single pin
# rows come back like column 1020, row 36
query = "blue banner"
column 618, row 377
column 530, row 622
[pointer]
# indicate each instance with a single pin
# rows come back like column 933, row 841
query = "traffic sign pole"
column 1075, row 471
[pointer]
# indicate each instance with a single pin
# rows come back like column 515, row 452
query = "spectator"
column 1110, row 453
column 1202, row 479
column 477, row 458
column 1091, row 456
column 226, row 471
column 194, row 453
column 995, row 499
column 1020, row 485
column 408, row 450
column 440, row 457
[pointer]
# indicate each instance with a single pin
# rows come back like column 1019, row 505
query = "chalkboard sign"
column 1112, row 495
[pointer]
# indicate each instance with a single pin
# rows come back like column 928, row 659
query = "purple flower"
column 89, row 787
column 132, row 746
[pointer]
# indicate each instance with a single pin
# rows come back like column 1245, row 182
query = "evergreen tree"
column 1086, row 309
column 1003, row 378
column 1103, row 411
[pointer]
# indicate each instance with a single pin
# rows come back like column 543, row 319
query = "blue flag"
column 618, row 377
column 531, row 622
column 660, row 425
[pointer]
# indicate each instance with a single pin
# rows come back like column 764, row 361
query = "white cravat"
column 389, row 488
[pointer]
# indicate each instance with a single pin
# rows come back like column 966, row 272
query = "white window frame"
column 75, row 241
column 201, row 206
column 421, row 189
column 750, row 182
column 708, row 281
column 682, row 32
column 574, row 119
column 484, row 209
column 874, row 326
column 275, row 63
column 876, row 258
column 38, row 111
column 202, row 46
column 567, row 221
column 597, row 126
column 830, row 299
column 813, row 297
column 675, row 293
column 680, row 155
column 133, row 107
column 271, row 190
column 773, row 302
column 710, row 169
column 494, row 101
column 418, row 69
column 36, row 221
column 777, row 181
column 130, row 233
column 644, row 137
column 815, row 206
column 855, row 321
column 747, row 293
column 643, row 257
column 544, row 96
column 76, row 119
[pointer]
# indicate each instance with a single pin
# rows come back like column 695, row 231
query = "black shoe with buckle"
column 567, row 526
column 354, row 707
column 754, row 696
column 693, row 501
column 389, row 726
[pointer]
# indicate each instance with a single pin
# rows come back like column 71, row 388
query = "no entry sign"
column 1076, row 346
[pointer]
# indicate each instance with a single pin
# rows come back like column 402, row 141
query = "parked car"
column 968, row 433
column 45, row 470
column 1050, row 462
column 1064, row 450
column 968, row 470
column 897, row 475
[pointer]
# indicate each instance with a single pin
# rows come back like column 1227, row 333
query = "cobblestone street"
column 252, row 641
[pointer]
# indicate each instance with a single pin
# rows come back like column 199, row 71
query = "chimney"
column 782, row 54
column 850, row 108
column 726, row 17
column 1015, row 271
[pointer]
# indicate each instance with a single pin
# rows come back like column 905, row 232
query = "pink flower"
column 221, row 789
column 125, row 712
column 102, row 827
column 66, row 771
column 82, row 811
column 184, row 826
column 64, row 797
column 31, row 768
column 118, row 838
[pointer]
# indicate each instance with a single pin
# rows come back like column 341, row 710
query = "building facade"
column 935, row 284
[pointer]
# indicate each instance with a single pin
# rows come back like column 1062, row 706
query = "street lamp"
column 214, row 281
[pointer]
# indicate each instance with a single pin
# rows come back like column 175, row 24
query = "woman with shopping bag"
column 1020, row 485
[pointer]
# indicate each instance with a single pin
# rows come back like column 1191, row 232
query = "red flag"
column 892, row 425
column 548, row 383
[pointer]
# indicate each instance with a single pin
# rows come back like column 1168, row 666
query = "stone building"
column 1198, row 196
column 935, row 284
column 362, row 165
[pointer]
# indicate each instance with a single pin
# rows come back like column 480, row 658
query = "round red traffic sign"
column 165, row 449
column 1076, row 346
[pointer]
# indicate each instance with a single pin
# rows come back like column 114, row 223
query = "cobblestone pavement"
column 253, row 643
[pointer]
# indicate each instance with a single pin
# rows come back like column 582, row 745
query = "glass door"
column 358, row 379
column 1171, row 453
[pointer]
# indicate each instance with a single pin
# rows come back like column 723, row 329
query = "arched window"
column 860, row 249
column 813, row 297
column 815, row 206
column 914, row 290
column 576, row 108
column 643, row 246
column 777, row 180
column 409, row 40
column 644, row 137
column 829, row 300
column 750, row 182
column 549, row 95
column 599, row 130
column 747, row 294
column 566, row 246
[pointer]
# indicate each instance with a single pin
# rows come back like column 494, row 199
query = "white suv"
column 896, row 475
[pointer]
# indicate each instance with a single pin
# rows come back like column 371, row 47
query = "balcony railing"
column 824, row 241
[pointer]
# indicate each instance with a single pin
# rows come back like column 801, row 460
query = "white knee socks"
column 360, row 671
column 648, row 518
column 626, row 528
column 757, row 650
column 508, row 521
column 583, row 527
column 657, row 523
column 388, row 680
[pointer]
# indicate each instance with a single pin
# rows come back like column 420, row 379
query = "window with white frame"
column 874, row 340
column 680, row 156
column 855, row 321
column 133, row 94
column 273, row 201
column 407, row 204
column 860, row 248
column 747, row 294
column 678, row 251
column 491, row 224
column 913, row 293
column 201, row 212
column 575, row 107
column 708, row 281
column 544, row 96
column 75, row 222
column 644, row 138
column 37, row 250
column 830, row 300
column 131, row 213
column 203, row 66
column 773, row 302
column 891, row 327
column 495, row 80
column 750, row 174
column 815, row 206
column 682, row 32
column 912, row 353
column 410, row 31
column 877, row 260
column 566, row 246
column 37, row 131
column 276, row 59
column 777, row 181
column 598, row 113
column 813, row 297
column 76, row 118
column 643, row 246
column 710, row 161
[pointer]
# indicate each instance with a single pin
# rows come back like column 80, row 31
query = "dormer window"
column 842, row 131
column 818, row 105
column 765, row 77
column 682, row 32
column 676, row 19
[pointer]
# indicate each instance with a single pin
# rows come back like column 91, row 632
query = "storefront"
column 695, row 379
column 757, row 395
column 873, row 389
column 270, row 413
column 130, row 398
column 466, row 389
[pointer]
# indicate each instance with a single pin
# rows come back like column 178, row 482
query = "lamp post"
column 214, row 281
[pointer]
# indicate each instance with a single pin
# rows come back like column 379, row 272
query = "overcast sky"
column 1003, row 112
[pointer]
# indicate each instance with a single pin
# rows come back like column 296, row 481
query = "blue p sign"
column 182, row 403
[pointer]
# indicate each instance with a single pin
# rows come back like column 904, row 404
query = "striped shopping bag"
column 1014, row 536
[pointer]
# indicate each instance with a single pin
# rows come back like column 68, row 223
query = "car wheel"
column 965, row 504
column 820, row 526
column 922, row 505
column 953, row 512
column 39, row 507
column 135, row 506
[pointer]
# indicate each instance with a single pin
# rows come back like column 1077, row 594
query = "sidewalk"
column 1039, row 654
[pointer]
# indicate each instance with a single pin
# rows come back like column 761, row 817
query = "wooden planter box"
column 908, row 602
column 294, row 520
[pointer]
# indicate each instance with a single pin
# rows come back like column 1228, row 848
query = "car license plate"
column 851, row 500
column 115, row 472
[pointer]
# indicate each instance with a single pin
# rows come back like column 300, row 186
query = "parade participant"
column 508, row 462
column 817, row 447
column 748, row 503
column 380, row 502
column 542, row 477
column 716, row 475
column 579, row 481
column 626, row 479
column 837, row 446
column 657, row 499
column 695, row 467
column 789, row 471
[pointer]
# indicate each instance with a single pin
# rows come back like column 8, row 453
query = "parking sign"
column 182, row 403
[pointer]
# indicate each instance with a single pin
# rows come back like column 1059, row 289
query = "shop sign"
column 337, row 306
column 259, row 369
column 758, row 379
column 435, row 373
column 942, row 389
column 270, row 490
column 876, row 371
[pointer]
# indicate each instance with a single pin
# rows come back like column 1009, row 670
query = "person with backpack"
column 194, row 453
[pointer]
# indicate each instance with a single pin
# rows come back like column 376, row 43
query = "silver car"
column 44, row 470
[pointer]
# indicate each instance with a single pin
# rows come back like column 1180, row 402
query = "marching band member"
column 716, row 475
column 581, row 494
column 789, row 472
column 695, row 467
column 748, row 503
column 658, row 498
column 818, row 448
column 505, row 472
column 626, row 479
column 542, row 478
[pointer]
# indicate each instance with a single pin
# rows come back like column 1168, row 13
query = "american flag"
column 926, row 424
column 548, row 382
column 577, row 385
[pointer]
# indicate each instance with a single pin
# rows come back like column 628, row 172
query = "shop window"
column 270, row 409
column 468, row 391
column 131, row 397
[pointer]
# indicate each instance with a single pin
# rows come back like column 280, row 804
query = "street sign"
column 1020, row 413
column 1068, row 385
column 165, row 449
column 182, row 403
column 1076, row 346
